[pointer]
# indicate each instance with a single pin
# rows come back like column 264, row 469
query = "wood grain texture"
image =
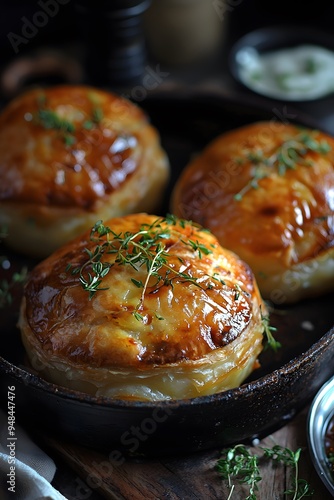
column 188, row 477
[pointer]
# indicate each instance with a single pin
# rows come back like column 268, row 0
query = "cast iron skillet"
column 286, row 382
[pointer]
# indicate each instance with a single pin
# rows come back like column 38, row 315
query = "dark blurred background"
column 244, row 15
column 30, row 26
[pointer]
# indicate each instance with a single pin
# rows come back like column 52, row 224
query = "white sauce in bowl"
column 299, row 73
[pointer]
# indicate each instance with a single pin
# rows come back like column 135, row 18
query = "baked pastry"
column 266, row 191
column 143, row 308
column 71, row 155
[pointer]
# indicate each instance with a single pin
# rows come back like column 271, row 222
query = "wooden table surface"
column 190, row 477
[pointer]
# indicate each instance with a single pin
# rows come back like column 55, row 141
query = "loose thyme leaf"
column 215, row 277
column 88, row 125
column 237, row 291
column 138, row 283
column 172, row 220
column 97, row 115
column 197, row 247
column 69, row 140
column 138, row 316
column 299, row 487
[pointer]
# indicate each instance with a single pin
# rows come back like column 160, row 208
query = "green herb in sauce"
column 298, row 73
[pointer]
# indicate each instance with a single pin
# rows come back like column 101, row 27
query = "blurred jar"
column 113, row 39
column 183, row 31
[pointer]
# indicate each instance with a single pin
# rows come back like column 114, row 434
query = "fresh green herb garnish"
column 287, row 157
column 268, row 332
column 147, row 249
column 237, row 291
column 97, row 117
column 259, row 173
column 49, row 119
column 299, row 487
column 97, row 112
column 198, row 247
column 142, row 249
column 240, row 465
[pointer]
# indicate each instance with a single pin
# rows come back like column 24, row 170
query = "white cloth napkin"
column 34, row 470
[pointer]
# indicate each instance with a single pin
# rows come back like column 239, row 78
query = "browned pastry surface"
column 194, row 326
column 70, row 155
column 266, row 191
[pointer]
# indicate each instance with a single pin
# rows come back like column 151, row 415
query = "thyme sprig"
column 238, row 464
column 97, row 117
column 149, row 249
column 49, row 119
column 142, row 249
column 268, row 333
column 288, row 156
column 299, row 487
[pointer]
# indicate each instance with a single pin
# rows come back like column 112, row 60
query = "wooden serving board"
column 190, row 477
